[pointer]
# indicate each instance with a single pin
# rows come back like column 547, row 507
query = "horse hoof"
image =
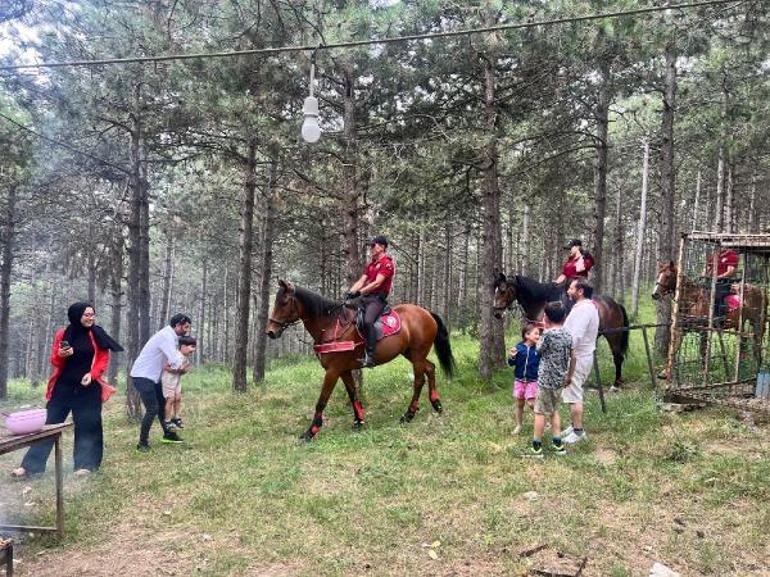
column 358, row 425
column 306, row 437
column 407, row 417
column 437, row 406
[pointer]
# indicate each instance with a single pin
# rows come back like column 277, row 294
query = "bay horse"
column 330, row 322
column 695, row 304
column 532, row 296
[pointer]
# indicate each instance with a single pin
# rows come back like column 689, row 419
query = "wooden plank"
column 10, row 442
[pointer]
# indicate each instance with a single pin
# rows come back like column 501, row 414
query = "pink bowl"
column 25, row 422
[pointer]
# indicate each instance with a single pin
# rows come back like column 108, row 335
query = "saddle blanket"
column 387, row 325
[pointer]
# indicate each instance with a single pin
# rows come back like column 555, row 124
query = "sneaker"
column 559, row 449
column 178, row 423
column 573, row 438
column 143, row 447
column 171, row 437
column 19, row 473
column 516, row 430
column 82, row 472
column 567, row 432
column 535, row 453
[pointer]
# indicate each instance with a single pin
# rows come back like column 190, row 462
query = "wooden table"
column 9, row 443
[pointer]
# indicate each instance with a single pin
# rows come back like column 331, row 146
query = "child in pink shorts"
column 525, row 361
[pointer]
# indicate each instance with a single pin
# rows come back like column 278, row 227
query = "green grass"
column 243, row 496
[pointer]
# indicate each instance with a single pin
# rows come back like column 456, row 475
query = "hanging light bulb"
column 311, row 132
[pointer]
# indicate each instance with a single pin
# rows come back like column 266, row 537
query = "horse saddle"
column 388, row 324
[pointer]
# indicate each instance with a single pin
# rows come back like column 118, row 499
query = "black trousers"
column 372, row 306
column 154, row 403
column 89, row 435
column 721, row 290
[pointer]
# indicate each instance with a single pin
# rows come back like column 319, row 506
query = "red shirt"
column 569, row 269
column 725, row 258
column 98, row 366
column 384, row 266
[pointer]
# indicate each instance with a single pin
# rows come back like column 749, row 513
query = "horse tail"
column 443, row 348
column 625, row 334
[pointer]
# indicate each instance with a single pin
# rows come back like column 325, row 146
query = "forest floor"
column 447, row 495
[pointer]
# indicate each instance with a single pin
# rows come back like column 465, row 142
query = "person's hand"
column 86, row 380
column 513, row 352
column 350, row 295
column 66, row 352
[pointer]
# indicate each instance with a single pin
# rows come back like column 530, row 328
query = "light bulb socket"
column 310, row 107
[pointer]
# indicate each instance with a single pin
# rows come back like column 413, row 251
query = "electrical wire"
column 357, row 43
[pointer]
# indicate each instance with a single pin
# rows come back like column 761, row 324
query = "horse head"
column 666, row 281
column 505, row 295
column 286, row 310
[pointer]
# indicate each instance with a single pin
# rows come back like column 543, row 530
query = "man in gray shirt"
column 146, row 371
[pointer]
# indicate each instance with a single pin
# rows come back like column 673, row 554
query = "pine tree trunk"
column 640, row 233
column 203, row 321
column 351, row 205
column 752, row 225
column 116, row 294
column 492, row 348
column 260, row 357
column 600, row 174
column 168, row 276
column 8, row 238
column 135, row 260
column 667, row 248
column 246, row 245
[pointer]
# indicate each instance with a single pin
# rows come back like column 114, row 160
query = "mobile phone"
column 64, row 345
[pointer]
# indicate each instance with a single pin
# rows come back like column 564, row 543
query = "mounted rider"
column 577, row 266
column 373, row 288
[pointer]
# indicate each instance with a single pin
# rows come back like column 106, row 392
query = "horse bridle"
column 286, row 324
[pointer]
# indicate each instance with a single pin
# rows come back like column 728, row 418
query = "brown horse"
column 332, row 322
column 532, row 296
column 695, row 303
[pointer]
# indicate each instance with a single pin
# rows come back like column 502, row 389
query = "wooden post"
column 650, row 365
column 672, row 341
column 599, row 383
column 59, row 487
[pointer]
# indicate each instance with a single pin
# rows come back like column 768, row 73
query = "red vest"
column 98, row 366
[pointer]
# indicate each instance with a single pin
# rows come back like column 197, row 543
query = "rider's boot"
column 371, row 343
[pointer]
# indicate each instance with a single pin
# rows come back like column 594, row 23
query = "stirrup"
column 367, row 362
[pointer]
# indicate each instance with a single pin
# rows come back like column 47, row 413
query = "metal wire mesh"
column 719, row 346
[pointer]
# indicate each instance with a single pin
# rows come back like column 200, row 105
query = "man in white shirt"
column 146, row 371
column 583, row 324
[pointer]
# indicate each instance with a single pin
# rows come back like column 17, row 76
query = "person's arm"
column 101, row 362
column 560, row 279
column 59, row 355
column 172, row 354
column 358, row 285
column 571, row 370
column 374, row 285
column 728, row 273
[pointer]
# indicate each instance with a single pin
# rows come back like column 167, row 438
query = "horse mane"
column 532, row 290
column 315, row 304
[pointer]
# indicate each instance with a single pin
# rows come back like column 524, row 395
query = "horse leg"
column 430, row 371
column 616, row 346
column 330, row 379
column 358, row 411
column 419, row 380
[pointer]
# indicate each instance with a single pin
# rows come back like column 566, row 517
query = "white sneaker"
column 516, row 430
column 82, row 473
column 573, row 438
column 567, row 432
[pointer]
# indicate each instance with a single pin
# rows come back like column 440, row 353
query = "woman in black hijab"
column 81, row 355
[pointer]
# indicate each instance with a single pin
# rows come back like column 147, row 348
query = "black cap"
column 574, row 242
column 379, row 239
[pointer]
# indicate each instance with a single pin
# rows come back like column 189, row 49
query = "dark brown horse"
column 331, row 322
column 695, row 304
column 532, row 296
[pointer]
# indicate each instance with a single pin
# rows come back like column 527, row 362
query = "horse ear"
column 671, row 264
column 286, row 285
column 501, row 278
